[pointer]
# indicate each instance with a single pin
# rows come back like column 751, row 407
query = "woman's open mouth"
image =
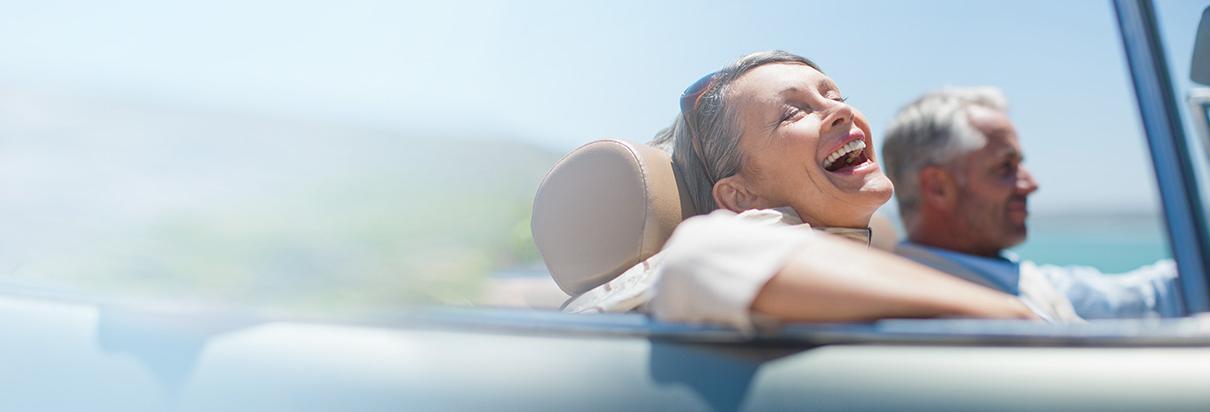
column 848, row 156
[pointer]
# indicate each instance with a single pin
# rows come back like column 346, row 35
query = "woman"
column 772, row 138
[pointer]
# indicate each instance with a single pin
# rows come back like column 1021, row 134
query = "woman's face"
column 804, row 147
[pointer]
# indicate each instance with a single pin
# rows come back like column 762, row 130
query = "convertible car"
column 65, row 353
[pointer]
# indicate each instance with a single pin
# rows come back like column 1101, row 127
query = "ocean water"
column 1111, row 242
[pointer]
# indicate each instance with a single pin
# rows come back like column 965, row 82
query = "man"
column 962, row 190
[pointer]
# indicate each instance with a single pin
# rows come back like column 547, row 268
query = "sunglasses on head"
column 690, row 100
column 692, row 95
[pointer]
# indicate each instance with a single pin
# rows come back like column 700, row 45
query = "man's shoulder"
column 997, row 274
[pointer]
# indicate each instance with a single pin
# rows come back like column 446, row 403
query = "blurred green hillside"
column 121, row 200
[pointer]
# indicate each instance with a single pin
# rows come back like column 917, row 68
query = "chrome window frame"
column 1171, row 151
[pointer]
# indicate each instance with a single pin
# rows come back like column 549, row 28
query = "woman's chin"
column 879, row 188
column 874, row 189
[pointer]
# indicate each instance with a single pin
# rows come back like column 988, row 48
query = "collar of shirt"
column 1003, row 272
column 788, row 216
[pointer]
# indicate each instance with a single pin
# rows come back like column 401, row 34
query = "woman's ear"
column 938, row 188
column 734, row 194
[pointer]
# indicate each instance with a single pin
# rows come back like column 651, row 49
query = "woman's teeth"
column 853, row 149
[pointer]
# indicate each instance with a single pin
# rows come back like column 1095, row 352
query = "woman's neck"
column 860, row 221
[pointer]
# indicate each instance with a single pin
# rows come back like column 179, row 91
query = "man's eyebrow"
column 1012, row 153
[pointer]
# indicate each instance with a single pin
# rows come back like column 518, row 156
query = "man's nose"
column 841, row 115
column 1025, row 181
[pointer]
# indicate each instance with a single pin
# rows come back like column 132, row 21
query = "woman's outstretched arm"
column 833, row 280
column 720, row 269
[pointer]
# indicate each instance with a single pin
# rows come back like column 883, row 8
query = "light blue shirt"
column 1147, row 292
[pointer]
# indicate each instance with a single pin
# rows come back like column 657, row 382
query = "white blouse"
column 709, row 271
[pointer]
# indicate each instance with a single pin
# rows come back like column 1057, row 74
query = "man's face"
column 993, row 185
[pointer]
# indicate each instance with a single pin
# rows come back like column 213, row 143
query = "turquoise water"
column 1110, row 242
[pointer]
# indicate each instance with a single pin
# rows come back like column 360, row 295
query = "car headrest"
column 603, row 208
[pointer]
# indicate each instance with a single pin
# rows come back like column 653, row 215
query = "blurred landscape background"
column 120, row 199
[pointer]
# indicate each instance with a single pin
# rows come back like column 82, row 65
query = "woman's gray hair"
column 718, row 130
column 933, row 130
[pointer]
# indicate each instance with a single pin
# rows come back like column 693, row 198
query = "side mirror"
column 1200, row 70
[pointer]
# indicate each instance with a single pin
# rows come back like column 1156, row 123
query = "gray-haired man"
column 956, row 163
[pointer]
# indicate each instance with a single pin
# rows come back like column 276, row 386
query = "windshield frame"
column 1170, row 150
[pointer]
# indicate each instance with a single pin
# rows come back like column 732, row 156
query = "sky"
column 559, row 74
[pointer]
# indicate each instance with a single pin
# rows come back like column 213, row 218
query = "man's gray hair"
column 718, row 131
column 933, row 131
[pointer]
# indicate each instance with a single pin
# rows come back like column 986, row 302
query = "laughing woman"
column 770, row 148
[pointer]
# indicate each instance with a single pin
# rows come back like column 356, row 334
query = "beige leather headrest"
column 603, row 208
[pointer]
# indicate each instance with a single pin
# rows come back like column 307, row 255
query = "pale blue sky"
column 559, row 74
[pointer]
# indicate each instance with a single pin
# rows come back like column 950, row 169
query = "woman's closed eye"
column 793, row 113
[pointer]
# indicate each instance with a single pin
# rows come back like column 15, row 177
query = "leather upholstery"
column 603, row 208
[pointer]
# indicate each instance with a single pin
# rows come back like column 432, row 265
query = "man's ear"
column 734, row 194
column 938, row 189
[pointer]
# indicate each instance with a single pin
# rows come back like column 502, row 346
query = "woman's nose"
column 840, row 115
